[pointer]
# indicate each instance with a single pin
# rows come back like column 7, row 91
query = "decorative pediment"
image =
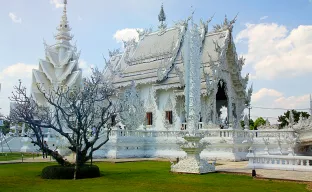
column 168, row 105
column 133, row 113
column 169, row 108
column 149, row 104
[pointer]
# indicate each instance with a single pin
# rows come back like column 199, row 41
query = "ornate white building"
column 60, row 66
column 155, row 64
column 154, row 69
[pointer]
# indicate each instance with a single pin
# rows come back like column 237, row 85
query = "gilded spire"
column 162, row 18
column 63, row 29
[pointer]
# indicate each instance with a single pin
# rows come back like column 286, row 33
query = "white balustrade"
column 281, row 162
column 221, row 133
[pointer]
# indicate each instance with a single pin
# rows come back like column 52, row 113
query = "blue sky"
column 275, row 37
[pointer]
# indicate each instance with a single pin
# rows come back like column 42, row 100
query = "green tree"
column 251, row 124
column 258, row 122
column 6, row 127
column 242, row 123
column 282, row 119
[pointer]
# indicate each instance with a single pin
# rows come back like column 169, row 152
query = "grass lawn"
column 135, row 176
column 14, row 156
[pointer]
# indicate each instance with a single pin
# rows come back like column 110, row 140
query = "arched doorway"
column 221, row 102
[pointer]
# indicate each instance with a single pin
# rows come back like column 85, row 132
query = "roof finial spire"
column 162, row 17
column 63, row 29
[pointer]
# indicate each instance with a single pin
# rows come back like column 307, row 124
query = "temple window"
column 169, row 116
column 149, row 118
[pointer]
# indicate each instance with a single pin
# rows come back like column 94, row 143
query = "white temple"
column 156, row 65
column 60, row 66
column 173, row 86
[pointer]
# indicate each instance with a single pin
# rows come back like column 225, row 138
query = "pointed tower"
column 60, row 66
column 162, row 18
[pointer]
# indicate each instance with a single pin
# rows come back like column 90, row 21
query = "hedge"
column 61, row 172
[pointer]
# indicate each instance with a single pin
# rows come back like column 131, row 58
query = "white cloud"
column 264, row 17
column 9, row 77
column 274, row 51
column 86, row 68
column 79, row 18
column 264, row 92
column 57, row 3
column 126, row 34
column 15, row 18
column 272, row 103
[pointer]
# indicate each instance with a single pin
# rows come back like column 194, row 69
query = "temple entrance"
column 221, row 104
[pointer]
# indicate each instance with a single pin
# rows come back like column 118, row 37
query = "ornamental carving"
column 130, row 43
column 226, row 25
column 114, row 52
column 180, row 74
column 133, row 113
column 150, row 104
column 169, row 106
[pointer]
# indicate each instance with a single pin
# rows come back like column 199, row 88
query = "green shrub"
column 61, row 172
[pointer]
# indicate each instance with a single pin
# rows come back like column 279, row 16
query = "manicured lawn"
column 14, row 156
column 136, row 176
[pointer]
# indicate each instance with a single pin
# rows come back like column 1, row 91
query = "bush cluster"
column 61, row 172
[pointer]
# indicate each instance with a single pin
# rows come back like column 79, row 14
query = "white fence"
column 231, row 133
column 281, row 162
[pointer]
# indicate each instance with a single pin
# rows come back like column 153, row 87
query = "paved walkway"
column 241, row 167
column 227, row 167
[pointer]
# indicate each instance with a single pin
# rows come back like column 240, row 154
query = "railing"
column 273, row 133
column 223, row 133
column 144, row 133
column 296, row 163
column 199, row 126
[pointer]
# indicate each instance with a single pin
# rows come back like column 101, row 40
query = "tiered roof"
column 157, row 58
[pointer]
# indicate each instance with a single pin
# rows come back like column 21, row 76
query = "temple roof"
column 152, row 52
column 157, row 51
column 157, row 58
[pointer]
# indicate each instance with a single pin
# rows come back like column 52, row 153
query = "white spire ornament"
column 63, row 34
column 60, row 66
column 162, row 21
column 193, row 144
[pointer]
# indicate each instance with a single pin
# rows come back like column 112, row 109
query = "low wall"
column 280, row 162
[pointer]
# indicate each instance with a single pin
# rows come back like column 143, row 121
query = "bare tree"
column 72, row 113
